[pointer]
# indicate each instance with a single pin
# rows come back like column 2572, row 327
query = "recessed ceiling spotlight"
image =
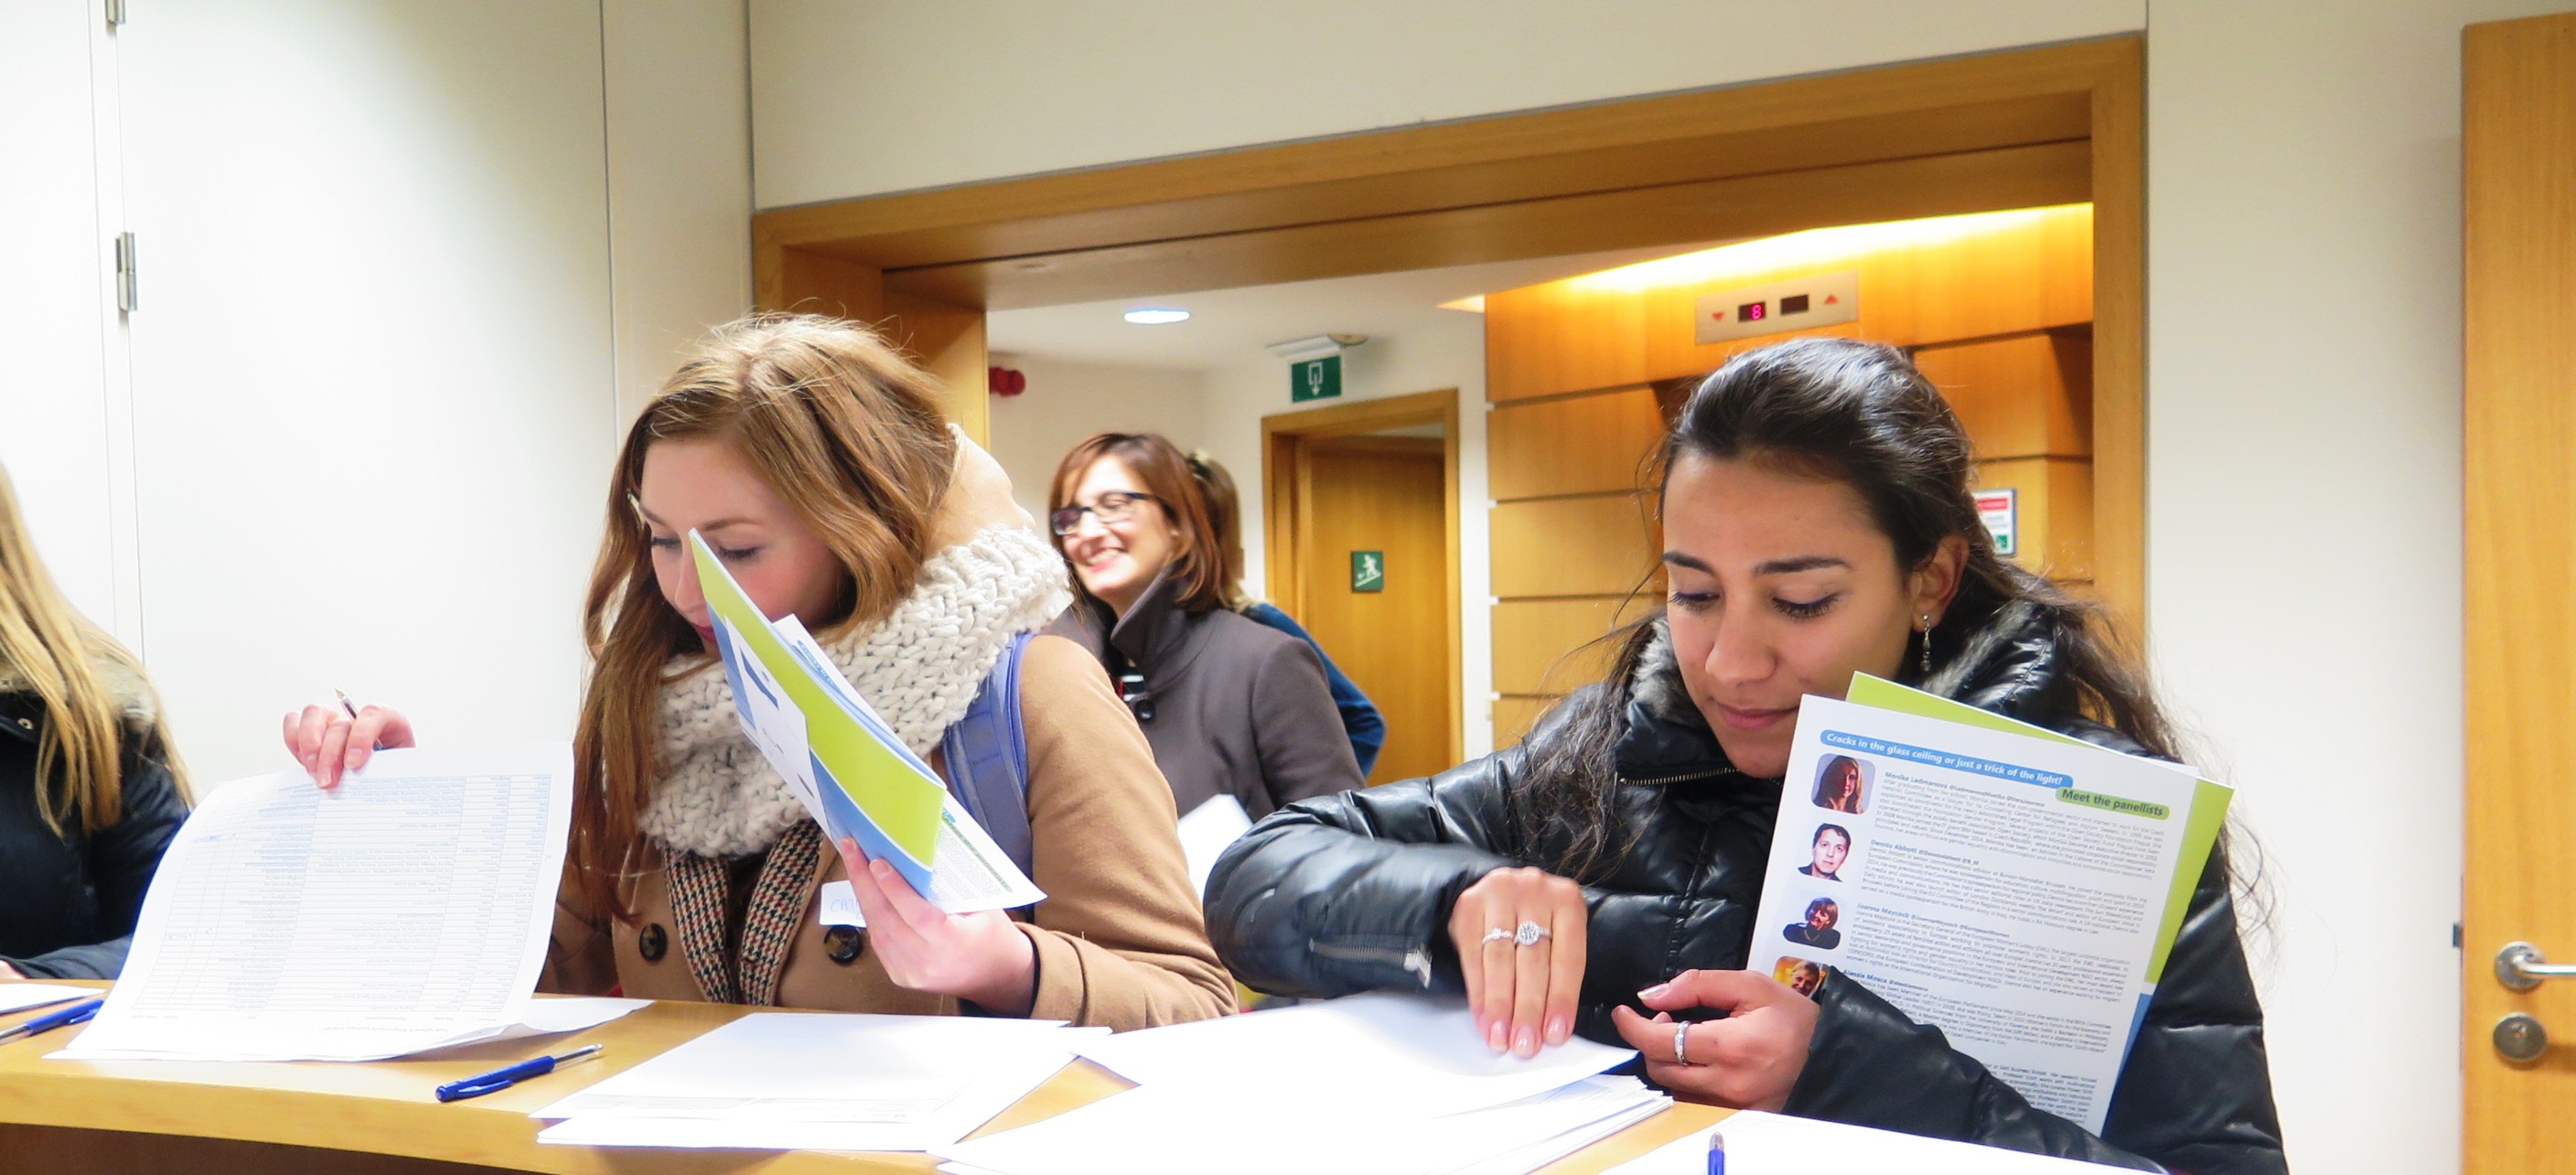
column 1157, row 316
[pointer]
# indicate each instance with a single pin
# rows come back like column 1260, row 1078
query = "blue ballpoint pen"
column 1716, row 1154
column 501, row 1079
column 79, row 1013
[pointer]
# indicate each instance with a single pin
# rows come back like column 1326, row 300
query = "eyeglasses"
column 1111, row 507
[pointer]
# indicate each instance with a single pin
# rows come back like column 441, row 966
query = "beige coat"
column 1119, row 940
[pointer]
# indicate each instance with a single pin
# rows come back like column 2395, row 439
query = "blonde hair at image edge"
column 56, row 654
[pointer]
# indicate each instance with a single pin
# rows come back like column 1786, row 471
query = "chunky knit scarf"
column 920, row 668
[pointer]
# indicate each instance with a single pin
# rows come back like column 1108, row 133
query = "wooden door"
column 1385, row 497
column 2519, row 160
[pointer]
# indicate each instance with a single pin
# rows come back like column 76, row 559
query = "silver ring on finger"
column 1529, row 935
column 1681, row 1043
column 1497, row 934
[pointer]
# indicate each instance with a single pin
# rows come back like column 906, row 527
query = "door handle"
column 2521, row 967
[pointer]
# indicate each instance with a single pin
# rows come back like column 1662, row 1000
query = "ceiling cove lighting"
column 1814, row 247
column 1157, row 316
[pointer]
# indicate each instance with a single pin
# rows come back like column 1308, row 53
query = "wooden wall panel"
column 2025, row 396
column 1513, row 716
column 947, row 340
column 1930, row 282
column 1585, row 445
column 2055, row 499
column 1546, row 646
column 1596, row 546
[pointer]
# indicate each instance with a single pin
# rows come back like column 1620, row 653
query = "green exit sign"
column 1368, row 571
column 1315, row 379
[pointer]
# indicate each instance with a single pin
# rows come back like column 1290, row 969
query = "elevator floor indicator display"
column 1824, row 299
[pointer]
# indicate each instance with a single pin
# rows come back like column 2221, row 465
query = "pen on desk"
column 1716, row 1154
column 79, row 1013
column 501, row 1079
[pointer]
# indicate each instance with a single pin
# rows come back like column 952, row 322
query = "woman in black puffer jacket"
column 90, row 791
column 1817, row 523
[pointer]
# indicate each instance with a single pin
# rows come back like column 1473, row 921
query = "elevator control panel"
column 1823, row 299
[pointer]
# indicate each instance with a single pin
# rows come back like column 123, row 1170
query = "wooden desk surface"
column 213, row 1119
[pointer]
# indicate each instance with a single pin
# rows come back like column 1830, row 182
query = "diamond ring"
column 1529, row 935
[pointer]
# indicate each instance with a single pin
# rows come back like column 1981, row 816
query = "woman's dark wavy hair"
column 1858, row 413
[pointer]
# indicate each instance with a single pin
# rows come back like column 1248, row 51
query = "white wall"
column 2305, row 502
column 851, row 100
column 375, row 373
column 58, row 315
column 1067, row 402
column 1451, row 355
column 679, row 181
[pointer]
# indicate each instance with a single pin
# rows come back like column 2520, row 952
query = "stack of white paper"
column 405, row 910
column 821, row 1082
column 1437, row 1101
column 1206, row 832
column 1774, row 1144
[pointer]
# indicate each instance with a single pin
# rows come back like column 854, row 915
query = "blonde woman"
column 816, row 463
column 90, row 793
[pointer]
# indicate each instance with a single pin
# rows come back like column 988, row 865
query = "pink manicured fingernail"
column 1494, row 1038
column 1527, row 1045
column 1558, row 1030
column 1653, row 992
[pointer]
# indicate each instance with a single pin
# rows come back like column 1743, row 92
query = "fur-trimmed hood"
column 134, row 697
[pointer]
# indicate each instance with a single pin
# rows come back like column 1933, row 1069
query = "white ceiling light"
column 1157, row 316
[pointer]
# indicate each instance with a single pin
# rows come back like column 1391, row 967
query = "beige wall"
column 2304, row 506
column 893, row 95
column 1066, row 402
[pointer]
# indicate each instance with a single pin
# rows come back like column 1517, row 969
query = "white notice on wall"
column 2000, row 511
column 2018, row 892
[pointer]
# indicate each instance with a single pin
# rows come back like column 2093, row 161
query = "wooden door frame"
column 2019, row 128
column 2515, row 377
column 1285, row 492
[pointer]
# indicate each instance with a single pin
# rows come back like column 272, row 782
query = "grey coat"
column 1236, row 708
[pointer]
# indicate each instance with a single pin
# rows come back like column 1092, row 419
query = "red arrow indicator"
column 1830, row 299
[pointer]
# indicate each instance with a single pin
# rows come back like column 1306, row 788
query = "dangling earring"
column 1927, row 644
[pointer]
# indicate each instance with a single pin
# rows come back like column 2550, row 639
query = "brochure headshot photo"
column 1842, row 784
column 1830, row 847
column 1803, row 976
column 1818, row 930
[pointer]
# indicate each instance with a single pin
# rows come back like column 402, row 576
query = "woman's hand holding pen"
column 1750, row 1060
column 330, row 741
column 982, row 958
column 1522, row 984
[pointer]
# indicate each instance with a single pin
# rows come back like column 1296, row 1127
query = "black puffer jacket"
column 1352, row 893
column 69, row 900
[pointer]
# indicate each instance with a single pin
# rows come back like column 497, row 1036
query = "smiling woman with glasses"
column 1231, row 707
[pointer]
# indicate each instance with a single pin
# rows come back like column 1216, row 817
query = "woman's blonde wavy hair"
column 73, row 668
column 841, row 427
